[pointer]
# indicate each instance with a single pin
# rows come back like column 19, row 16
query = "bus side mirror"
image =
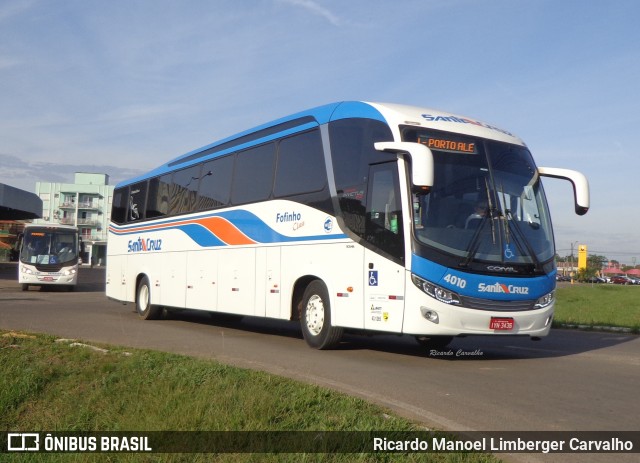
column 421, row 161
column 579, row 182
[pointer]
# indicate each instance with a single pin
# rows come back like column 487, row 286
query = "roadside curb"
column 606, row 329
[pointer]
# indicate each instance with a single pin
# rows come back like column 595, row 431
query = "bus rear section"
column 49, row 257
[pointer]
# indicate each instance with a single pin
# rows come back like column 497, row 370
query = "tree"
column 596, row 261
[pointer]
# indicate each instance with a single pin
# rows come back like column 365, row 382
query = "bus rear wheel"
column 145, row 309
column 315, row 318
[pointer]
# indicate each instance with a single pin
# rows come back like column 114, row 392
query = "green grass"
column 598, row 305
column 51, row 386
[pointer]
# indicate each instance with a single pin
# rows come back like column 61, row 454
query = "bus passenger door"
column 384, row 276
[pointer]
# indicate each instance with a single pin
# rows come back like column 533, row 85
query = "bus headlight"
column 545, row 300
column 69, row 272
column 437, row 292
column 26, row 270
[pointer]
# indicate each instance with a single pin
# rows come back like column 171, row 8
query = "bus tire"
column 25, row 287
column 434, row 342
column 315, row 317
column 145, row 309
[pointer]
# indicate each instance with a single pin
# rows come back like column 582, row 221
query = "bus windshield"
column 42, row 246
column 487, row 204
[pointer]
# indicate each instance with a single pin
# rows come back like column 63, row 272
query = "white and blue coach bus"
column 350, row 216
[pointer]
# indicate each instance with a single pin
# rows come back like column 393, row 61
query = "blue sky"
column 122, row 86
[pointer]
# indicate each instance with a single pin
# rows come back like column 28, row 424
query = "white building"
column 86, row 203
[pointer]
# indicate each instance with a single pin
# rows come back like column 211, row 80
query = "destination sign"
column 446, row 144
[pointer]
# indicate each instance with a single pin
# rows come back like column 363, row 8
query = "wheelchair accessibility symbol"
column 508, row 253
column 373, row 278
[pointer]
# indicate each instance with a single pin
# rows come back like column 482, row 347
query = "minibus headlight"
column 437, row 292
column 27, row 270
column 545, row 301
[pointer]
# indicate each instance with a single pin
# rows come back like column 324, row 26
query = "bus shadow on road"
column 559, row 343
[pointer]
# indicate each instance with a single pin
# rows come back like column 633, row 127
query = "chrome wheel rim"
column 314, row 317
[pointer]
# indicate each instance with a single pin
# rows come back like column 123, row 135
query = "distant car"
column 621, row 280
column 562, row 278
column 634, row 280
column 595, row 280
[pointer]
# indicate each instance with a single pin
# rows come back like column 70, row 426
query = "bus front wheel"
column 145, row 309
column 315, row 317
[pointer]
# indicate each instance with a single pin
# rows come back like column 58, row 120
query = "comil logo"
column 500, row 288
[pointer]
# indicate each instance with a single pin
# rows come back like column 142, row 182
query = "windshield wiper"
column 504, row 215
column 523, row 239
column 475, row 242
column 491, row 210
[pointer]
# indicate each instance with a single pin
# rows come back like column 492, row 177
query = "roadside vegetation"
column 598, row 305
column 48, row 385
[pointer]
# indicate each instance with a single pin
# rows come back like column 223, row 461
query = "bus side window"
column 300, row 166
column 158, row 199
column 352, row 153
column 137, row 201
column 253, row 174
column 184, row 188
column 215, row 183
column 119, row 205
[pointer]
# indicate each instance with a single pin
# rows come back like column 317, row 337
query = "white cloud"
column 317, row 10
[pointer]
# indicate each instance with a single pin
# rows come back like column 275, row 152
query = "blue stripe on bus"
column 483, row 286
column 244, row 222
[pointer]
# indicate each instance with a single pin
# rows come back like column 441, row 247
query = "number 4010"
column 455, row 281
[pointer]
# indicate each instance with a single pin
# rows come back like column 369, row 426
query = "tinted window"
column 215, row 184
column 184, row 190
column 300, row 165
column 352, row 150
column 352, row 153
column 384, row 211
column 119, row 205
column 253, row 175
column 137, row 200
column 158, row 198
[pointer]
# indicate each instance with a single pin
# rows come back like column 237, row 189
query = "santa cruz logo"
column 462, row 120
column 141, row 245
column 502, row 289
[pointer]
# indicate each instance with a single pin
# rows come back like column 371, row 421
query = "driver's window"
column 384, row 210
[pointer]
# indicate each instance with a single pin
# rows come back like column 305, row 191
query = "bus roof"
column 394, row 115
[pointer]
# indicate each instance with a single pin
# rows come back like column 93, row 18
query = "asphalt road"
column 569, row 381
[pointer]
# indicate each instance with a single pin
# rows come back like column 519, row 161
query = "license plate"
column 501, row 324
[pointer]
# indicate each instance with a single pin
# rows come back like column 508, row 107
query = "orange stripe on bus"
column 225, row 231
